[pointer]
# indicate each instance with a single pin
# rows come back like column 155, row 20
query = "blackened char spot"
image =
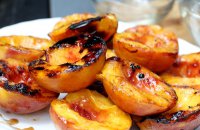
column 92, row 57
column 52, row 74
column 84, row 23
column 138, row 67
column 21, row 88
column 132, row 66
column 36, row 62
column 140, row 75
column 65, row 42
column 96, row 47
column 94, row 43
column 39, row 68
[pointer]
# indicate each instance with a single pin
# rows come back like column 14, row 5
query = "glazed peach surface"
column 135, row 89
column 70, row 64
column 26, row 42
column 104, row 26
column 19, row 53
column 110, row 53
column 24, row 48
column 88, row 110
column 18, row 91
column 148, row 45
column 184, row 116
column 185, row 71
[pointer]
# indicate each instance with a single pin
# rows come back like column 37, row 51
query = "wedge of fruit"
column 136, row 90
column 70, row 64
column 184, row 72
column 26, row 42
column 19, row 53
column 104, row 26
column 184, row 116
column 88, row 110
column 24, row 48
column 148, row 45
column 18, row 91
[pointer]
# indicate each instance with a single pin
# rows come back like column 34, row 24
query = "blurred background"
column 166, row 13
column 14, row 11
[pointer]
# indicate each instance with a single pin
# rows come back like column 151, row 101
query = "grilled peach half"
column 24, row 48
column 88, row 110
column 26, row 42
column 184, row 72
column 18, row 91
column 135, row 89
column 70, row 64
column 184, row 116
column 19, row 53
column 150, row 46
column 104, row 26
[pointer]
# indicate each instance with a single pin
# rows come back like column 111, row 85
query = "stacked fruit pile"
column 112, row 79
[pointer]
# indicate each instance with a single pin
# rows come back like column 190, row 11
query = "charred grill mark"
column 39, row 68
column 36, row 62
column 94, row 44
column 52, row 74
column 114, row 58
column 92, row 57
column 67, row 42
column 21, row 88
column 173, row 117
column 71, row 67
column 84, row 23
column 96, row 47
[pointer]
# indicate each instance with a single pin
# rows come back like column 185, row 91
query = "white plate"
column 40, row 28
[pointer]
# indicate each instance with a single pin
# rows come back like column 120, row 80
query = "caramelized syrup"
column 12, row 122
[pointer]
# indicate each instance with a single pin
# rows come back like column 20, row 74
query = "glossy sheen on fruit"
column 26, row 42
column 184, row 116
column 71, row 64
column 110, row 53
column 135, row 89
column 184, row 72
column 19, row 53
column 88, row 110
column 73, row 25
column 150, row 46
column 24, row 48
column 18, row 91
